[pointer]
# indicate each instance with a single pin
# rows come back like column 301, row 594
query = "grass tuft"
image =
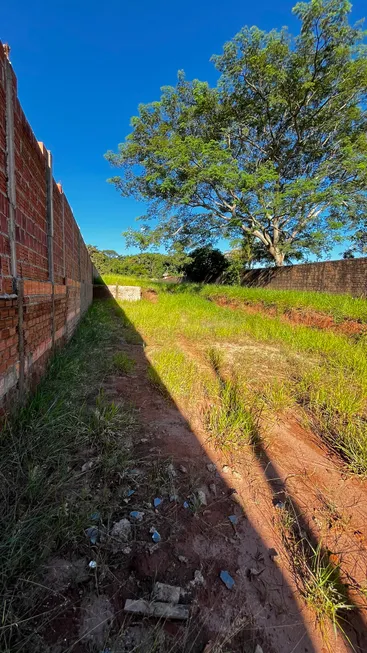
column 324, row 592
column 230, row 421
column 123, row 363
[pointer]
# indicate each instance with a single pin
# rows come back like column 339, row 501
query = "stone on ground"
column 97, row 614
column 166, row 593
column 157, row 610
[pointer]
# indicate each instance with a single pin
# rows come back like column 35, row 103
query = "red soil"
column 307, row 317
column 266, row 604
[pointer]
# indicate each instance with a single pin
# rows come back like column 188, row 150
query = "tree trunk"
column 279, row 260
column 277, row 256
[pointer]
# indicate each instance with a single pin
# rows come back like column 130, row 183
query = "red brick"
column 32, row 249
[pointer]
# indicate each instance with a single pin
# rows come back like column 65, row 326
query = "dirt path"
column 265, row 606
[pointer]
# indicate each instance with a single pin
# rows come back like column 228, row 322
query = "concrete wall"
column 345, row 276
column 126, row 293
column 45, row 269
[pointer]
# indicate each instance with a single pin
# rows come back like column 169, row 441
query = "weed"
column 278, row 395
column 287, row 517
column 172, row 372
column 156, row 381
column 231, row 423
column 159, row 479
column 317, row 578
column 215, row 357
column 121, row 280
column 339, row 306
column 324, row 591
column 123, row 363
column 337, row 405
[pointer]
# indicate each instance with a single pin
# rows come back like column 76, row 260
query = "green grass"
column 324, row 591
column 44, row 501
column 328, row 370
column 175, row 374
column 338, row 306
column 123, row 363
column 232, row 421
column 317, row 578
column 120, row 280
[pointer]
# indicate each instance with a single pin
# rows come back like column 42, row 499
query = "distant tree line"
column 203, row 264
column 153, row 265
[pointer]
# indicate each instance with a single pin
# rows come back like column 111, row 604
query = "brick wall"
column 45, row 269
column 345, row 276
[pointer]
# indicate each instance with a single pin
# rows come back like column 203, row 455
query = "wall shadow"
column 305, row 543
column 260, row 611
column 352, row 624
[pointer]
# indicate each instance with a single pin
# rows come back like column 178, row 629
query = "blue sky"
column 83, row 68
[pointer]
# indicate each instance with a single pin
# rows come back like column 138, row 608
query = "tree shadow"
column 262, row 607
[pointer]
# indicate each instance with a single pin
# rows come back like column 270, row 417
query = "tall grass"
column 231, row 420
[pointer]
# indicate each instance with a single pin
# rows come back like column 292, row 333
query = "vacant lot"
column 244, row 412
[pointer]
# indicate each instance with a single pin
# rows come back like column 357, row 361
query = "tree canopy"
column 276, row 152
column 206, row 265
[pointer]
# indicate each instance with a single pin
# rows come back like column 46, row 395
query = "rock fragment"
column 157, row 609
column 122, row 530
column 166, row 593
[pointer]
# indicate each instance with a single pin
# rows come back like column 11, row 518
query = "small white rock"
column 202, row 497
column 122, row 530
column 226, row 469
column 236, row 474
column 157, row 609
column 171, row 470
column 166, row 593
column 87, row 466
column 198, row 579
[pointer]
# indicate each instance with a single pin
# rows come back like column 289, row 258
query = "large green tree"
column 277, row 151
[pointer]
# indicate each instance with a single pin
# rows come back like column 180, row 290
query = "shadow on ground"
column 262, row 608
